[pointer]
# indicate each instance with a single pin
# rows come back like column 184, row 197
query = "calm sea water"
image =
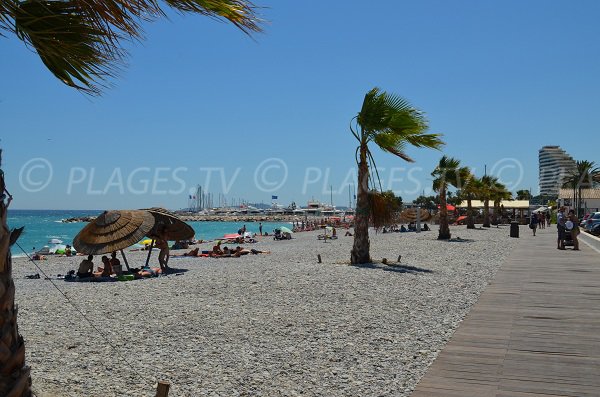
column 43, row 225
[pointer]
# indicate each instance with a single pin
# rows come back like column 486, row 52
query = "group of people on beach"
column 109, row 267
column 412, row 227
column 225, row 252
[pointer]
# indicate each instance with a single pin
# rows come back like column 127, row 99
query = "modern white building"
column 555, row 165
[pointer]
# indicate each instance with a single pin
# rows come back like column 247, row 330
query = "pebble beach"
column 278, row 324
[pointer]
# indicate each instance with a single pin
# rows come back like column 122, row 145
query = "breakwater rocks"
column 78, row 219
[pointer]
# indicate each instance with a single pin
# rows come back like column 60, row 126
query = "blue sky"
column 269, row 115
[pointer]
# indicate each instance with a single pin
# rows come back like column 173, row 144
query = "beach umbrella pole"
column 125, row 260
column 149, row 253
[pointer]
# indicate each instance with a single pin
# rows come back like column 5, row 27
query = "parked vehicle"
column 591, row 220
column 595, row 230
column 583, row 220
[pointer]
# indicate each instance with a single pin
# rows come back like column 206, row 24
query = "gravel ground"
column 260, row 325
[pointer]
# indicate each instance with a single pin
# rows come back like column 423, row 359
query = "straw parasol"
column 174, row 227
column 410, row 215
column 113, row 231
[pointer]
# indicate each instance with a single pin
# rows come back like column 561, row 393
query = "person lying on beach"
column 239, row 251
column 193, row 252
column 86, row 267
column 256, row 252
column 149, row 272
column 38, row 257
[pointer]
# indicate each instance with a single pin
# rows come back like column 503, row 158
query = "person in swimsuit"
column 163, row 245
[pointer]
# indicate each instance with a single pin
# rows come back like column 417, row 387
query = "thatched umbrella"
column 168, row 226
column 113, row 231
column 174, row 228
column 410, row 215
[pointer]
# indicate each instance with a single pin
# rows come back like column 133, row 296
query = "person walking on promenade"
column 533, row 223
column 560, row 225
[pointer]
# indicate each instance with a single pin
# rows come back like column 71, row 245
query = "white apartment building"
column 555, row 165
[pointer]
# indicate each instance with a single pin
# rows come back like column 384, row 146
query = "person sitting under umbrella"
column 86, row 267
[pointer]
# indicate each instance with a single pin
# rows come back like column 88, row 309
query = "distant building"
column 590, row 199
column 555, row 165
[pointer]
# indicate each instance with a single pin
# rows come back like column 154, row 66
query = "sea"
column 43, row 225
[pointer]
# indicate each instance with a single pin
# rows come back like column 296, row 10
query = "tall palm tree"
column 447, row 173
column 391, row 123
column 488, row 186
column 14, row 374
column 80, row 41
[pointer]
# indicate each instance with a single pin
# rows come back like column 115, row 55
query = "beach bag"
column 531, row 226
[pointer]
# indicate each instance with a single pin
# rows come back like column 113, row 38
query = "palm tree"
column 488, row 186
column 80, row 41
column 470, row 191
column 498, row 194
column 391, row 123
column 14, row 374
column 447, row 173
column 582, row 177
column 523, row 195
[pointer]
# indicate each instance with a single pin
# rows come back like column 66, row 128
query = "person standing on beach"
column 260, row 228
column 163, row 255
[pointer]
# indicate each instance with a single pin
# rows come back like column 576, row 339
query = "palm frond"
column 382, row 209
column 74, row 50
column 241, row 13
column 79, row 41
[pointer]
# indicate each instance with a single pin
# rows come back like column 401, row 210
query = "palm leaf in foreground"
column 80, row 41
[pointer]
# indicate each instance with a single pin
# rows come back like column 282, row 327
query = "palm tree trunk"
column 470, row 220
column 360, row 250
column 486, row 213
column 15, row 380
column 444, row 233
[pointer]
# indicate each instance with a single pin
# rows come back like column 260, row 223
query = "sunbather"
column 256, row 252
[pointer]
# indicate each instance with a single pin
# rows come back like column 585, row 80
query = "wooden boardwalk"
column 535, row 331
